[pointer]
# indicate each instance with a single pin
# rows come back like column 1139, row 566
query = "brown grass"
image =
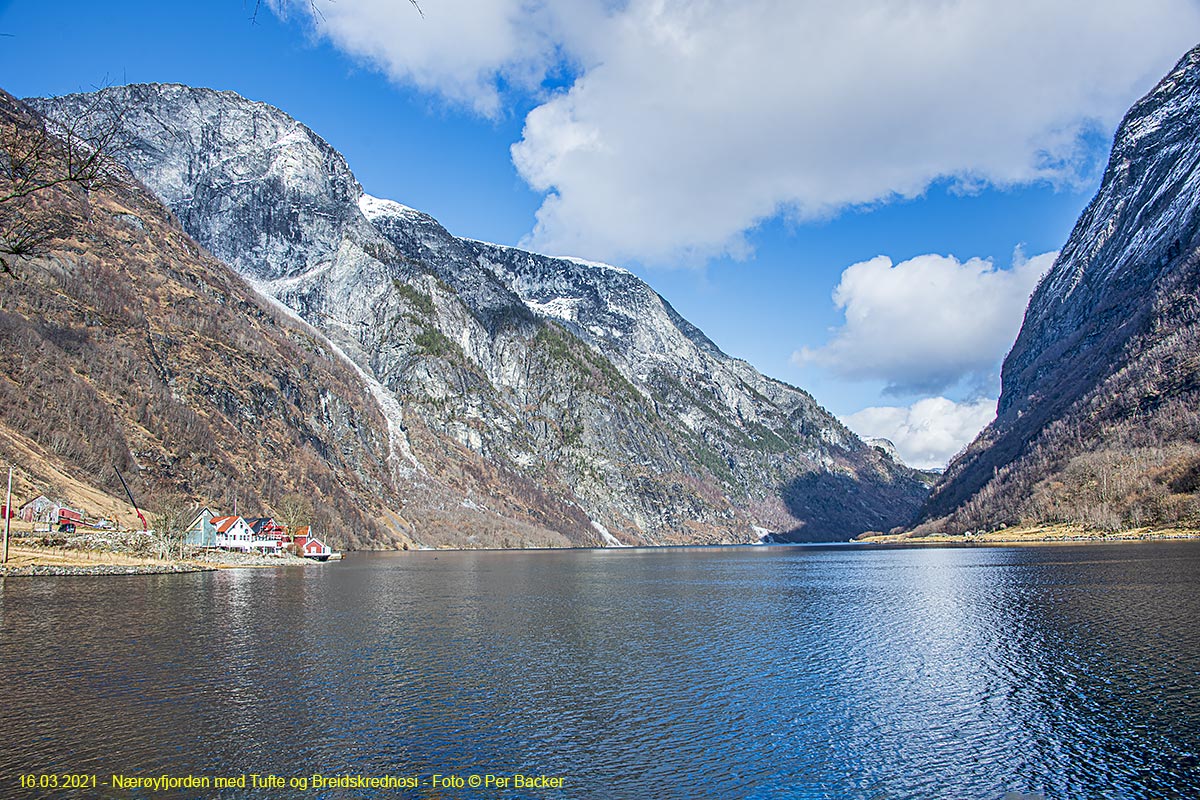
column 23, row 555
column 36, row 472
column 1058, row 532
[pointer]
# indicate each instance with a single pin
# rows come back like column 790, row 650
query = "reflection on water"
column 725, row 673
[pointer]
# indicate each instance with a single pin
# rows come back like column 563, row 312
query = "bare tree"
column 171, row 525
column 38, row 155
column 312, row 4
column 294, row 511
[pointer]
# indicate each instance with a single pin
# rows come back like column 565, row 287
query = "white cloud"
column 929, row 432
column 687, row 122
column 460, row 50
column 929, row 323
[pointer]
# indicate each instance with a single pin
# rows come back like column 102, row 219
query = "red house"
column 66, row 519
column 300, row 536
column 267, row 528
column 315, row 548
column 310, row 546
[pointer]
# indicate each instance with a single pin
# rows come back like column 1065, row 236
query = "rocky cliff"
column 126, row 347
column 496, row 368
column 1097, row 420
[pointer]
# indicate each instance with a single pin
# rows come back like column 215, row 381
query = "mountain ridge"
column 575, row 376
column 127, row 348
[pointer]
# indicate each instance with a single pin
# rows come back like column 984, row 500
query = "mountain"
column 127, row 348
column 1098, row 421
column 509, row 378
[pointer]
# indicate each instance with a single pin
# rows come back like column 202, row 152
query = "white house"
column 233, row 533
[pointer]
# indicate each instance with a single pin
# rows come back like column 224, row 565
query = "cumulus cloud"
column 928, row 433
column 462, row 50
column 687, row 122
column 929, row 323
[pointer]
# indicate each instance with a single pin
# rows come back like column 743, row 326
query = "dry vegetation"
column 1033, row 534
column 125, row 347
column 1126, row 453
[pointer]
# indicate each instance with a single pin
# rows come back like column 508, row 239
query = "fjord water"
column 840, row 672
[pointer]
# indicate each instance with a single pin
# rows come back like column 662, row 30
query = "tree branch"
column 38, row 156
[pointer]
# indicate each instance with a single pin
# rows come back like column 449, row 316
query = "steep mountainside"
column 127, row 348
column 1099, row 417
column 572, row 378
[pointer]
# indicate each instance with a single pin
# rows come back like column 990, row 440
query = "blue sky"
column 858, row 203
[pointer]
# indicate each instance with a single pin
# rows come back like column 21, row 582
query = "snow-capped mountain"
column 498, row 368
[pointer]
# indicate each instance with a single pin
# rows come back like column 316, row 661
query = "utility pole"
column 7, row 516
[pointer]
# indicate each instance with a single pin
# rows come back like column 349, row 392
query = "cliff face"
column 497, row 368
column 1096, row 420
column 126, row 347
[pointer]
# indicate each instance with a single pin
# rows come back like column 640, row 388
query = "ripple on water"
column 723, row 673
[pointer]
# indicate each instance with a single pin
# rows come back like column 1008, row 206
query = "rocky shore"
column 102, row 569
column 124, row 553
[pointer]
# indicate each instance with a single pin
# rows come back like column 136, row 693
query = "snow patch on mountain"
column 571, row 378
column 400, row 454
column 374, row 207
column 609, row 539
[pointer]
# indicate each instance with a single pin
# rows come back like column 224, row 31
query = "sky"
column 857, row 198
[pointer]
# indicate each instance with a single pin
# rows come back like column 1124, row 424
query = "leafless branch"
column 37, row 156
column 312, row 4
column 26, row 232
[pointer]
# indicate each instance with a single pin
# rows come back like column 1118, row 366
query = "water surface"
column 1067, row 672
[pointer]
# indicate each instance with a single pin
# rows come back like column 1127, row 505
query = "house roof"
column 223, row 524
column 200, row 516
column 259, row 524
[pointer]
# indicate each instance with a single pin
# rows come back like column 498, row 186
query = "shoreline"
column 1037, row 534
column 60, row 571
column 29, row 560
